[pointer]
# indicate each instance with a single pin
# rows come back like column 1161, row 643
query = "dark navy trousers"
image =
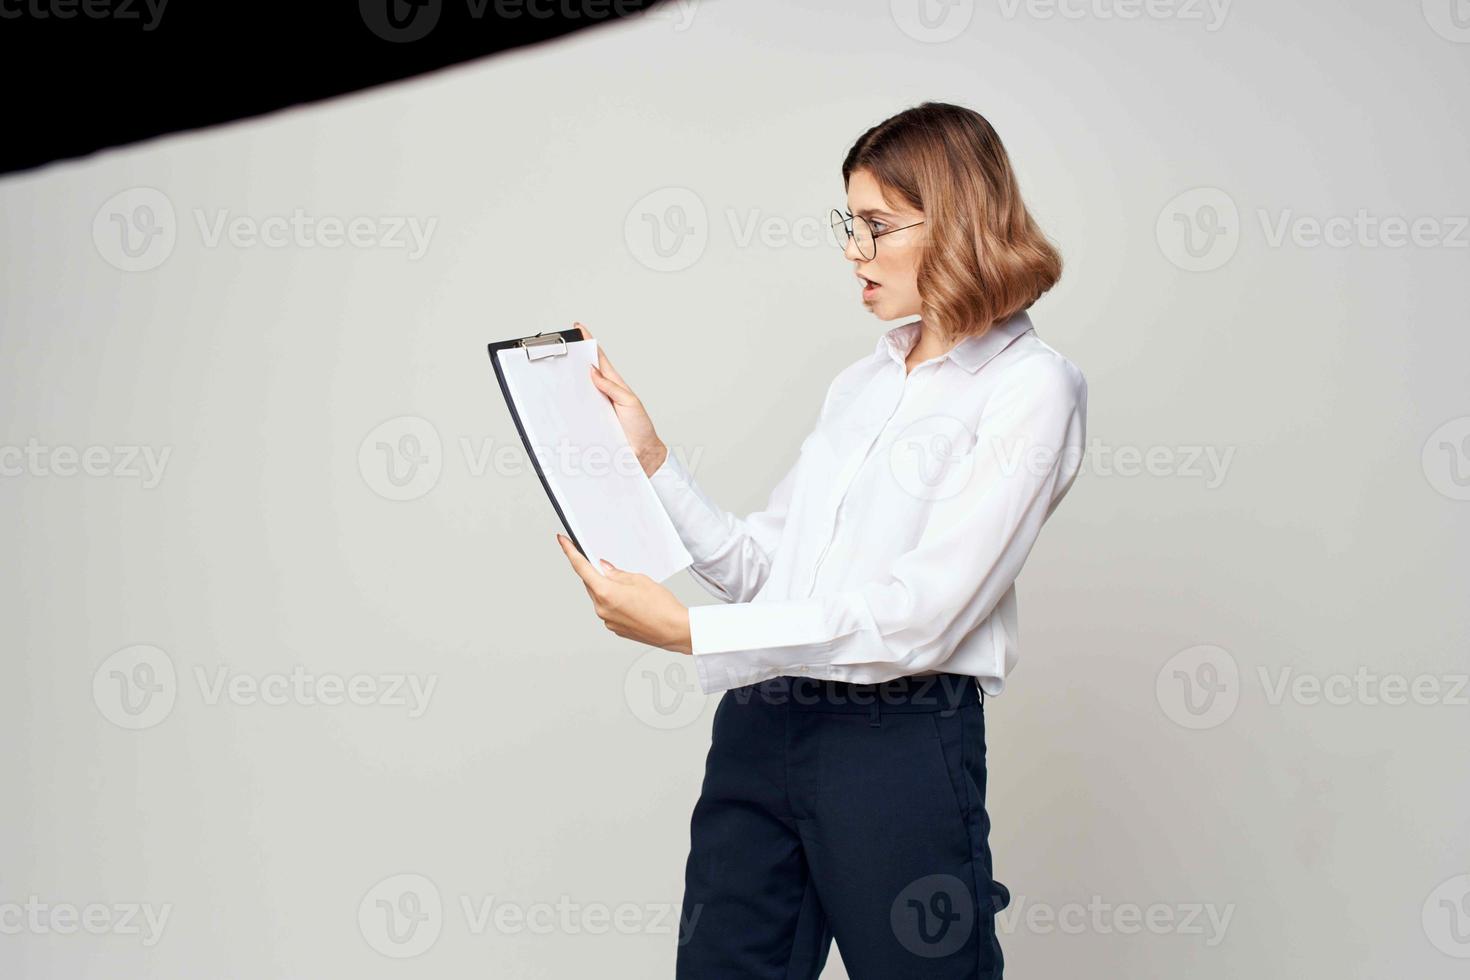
column 853, row 812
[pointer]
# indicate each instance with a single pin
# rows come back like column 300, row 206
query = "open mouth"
column 869, row 286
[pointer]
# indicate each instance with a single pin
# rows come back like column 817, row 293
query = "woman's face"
column 894, row 269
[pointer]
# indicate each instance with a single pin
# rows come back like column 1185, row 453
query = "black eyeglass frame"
column 847, row 218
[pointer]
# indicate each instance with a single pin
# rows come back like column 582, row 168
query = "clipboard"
column 537, row 346
column 628, row 523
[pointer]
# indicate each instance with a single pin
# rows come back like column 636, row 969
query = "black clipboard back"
column 547, row 344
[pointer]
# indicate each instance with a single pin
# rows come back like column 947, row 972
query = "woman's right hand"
column 637, row 426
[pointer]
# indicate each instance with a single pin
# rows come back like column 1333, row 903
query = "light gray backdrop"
column 298, row 684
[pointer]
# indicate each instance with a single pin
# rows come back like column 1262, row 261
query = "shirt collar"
column 970, row 353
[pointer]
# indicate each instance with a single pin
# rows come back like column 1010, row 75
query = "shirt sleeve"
column 1027, row 453
column 731, row 555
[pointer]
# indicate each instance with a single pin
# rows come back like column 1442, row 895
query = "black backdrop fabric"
column 84, row 75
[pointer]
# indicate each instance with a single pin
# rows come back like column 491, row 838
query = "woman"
column 844, row 790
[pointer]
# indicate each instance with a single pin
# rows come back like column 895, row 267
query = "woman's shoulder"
column 1036, row 365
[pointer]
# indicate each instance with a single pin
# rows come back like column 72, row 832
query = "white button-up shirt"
column 892, row 546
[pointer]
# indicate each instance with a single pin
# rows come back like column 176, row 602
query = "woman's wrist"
column 652, row 459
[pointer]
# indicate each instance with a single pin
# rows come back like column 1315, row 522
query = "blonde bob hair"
column 984, row 258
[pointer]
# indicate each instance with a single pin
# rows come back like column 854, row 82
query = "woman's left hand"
column 632, row 605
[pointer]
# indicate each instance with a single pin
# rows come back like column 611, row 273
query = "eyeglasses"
column 856, row 228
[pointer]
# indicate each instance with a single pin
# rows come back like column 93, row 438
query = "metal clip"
column 541, row 340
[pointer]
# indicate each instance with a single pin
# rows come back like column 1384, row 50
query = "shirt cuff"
column 745, row 642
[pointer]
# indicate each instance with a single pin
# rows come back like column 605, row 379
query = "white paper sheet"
column 575, row 434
